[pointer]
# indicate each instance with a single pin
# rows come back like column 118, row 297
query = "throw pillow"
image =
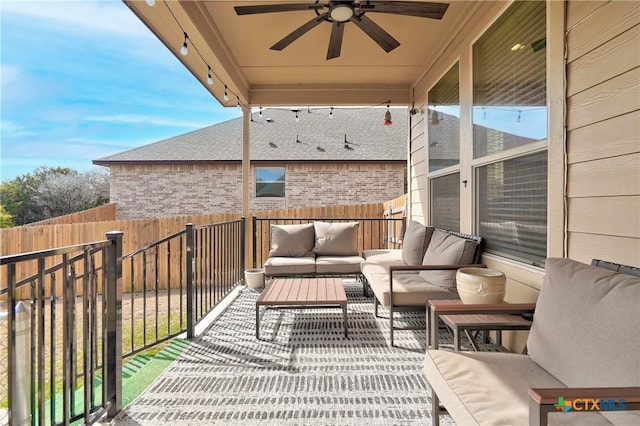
column 414, row 243
column 292, row 240
column 446, row 249
column 336, row 239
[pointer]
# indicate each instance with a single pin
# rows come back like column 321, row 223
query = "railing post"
column 254, row 240
column 190, row 292
column 243, row 235
column 112, row 369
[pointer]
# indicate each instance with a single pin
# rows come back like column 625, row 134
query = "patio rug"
column 303, row 372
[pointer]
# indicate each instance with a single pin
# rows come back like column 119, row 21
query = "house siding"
column 146, row 191
column 603, row 131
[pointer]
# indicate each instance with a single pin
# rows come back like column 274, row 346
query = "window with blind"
column 270, row 181
column 443, row 119
column 509, row 110
column 445, row 202
column 512, row 207
column 509, row 80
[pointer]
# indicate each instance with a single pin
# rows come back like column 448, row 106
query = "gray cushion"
column 415, row 242
column 290, row 266
column 338, row 264
column 336, row 239
column 292, row 240
column 446, row 249
column 585, row 330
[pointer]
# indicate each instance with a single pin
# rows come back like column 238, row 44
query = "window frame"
column 283, row 182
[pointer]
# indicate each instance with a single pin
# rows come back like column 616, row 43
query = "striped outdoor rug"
column 303, row 372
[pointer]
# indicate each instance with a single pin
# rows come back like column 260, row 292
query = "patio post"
column 246, row 185
column 189, row 277
column 112, row 294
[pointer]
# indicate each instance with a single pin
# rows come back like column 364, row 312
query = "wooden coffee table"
column 303, row 293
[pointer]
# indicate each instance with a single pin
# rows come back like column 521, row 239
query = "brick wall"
column 146, row 191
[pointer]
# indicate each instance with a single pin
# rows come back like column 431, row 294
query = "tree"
column 49, row 192
column 6, row 221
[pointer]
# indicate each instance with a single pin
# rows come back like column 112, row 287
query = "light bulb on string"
column 237, row 102
column 387, row 117
column 151, row 2
column 226, row 94
column 484, row 113
column 209, row 78
column 260, row 113
column 518, row 118
column 184, row 50
column 297, row 118
column 331, row 112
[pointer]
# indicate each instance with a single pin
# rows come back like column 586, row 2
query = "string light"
column 151, row 2
column 518, row 118
column 331, row 112
column 209, row 78
column 260, row 113
column 297, row 118
column 387, row 117
column 484, row 113
column 184, row 50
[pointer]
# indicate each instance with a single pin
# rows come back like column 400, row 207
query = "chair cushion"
column 446, row 249
column 338, row 264
column 489, row 388
column 292, row 240
column 414, row 243
column 409, row 288
column 290, row 265
column 585, row 330
column 336, row 239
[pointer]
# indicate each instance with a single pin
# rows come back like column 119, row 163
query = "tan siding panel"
column 604, row 24
column 579, row 10
column 619, row 216
column 613, row 58
column 610, row 138
column 614, row 97
column 605, row 178
column 584, row 247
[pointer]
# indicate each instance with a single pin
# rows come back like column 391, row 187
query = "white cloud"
column 12, row 129
column 94, row 16
column 134, row 119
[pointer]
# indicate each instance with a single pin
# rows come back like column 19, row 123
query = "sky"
column 85, row 79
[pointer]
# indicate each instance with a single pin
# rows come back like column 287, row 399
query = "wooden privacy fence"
column 96, row 214
column 396, row 209
column 144, row 232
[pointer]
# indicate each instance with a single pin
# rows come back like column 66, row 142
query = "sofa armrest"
column 544, row 401
column 459, row 308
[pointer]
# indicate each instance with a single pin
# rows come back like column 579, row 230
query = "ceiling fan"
column 338, row 13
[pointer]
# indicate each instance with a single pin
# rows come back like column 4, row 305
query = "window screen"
column 512, row 207
column 445, row 202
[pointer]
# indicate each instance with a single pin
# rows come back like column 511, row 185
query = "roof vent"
column 273, row 145
column 269, row 120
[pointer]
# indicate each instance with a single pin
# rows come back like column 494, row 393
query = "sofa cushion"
column 409, row 288
column 414, row 243
column 336, row 239
column 480, row 388
column 385, row 257
column 338, row 264
column 292, row 240
column 585, row 330
column 447, row 249
column 290, row 265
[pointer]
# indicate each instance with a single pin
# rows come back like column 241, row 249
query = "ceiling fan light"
column 341, row 13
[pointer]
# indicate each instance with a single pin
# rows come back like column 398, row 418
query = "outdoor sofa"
column 424, row 269
column 583, row 353
column 310, row 249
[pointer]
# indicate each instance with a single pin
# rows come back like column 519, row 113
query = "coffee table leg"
column 257, row 321
column 344, row 314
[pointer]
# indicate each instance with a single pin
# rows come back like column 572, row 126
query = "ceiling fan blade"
column 270, row 8
column 420, row 9
column 376, row 33
column 335, row 41
column 295, row 34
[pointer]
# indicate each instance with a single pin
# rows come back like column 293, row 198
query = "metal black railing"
column 44, row 371
column 109, row 306
column 373, row 233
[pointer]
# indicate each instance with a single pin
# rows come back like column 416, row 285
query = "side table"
column 452, row 307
